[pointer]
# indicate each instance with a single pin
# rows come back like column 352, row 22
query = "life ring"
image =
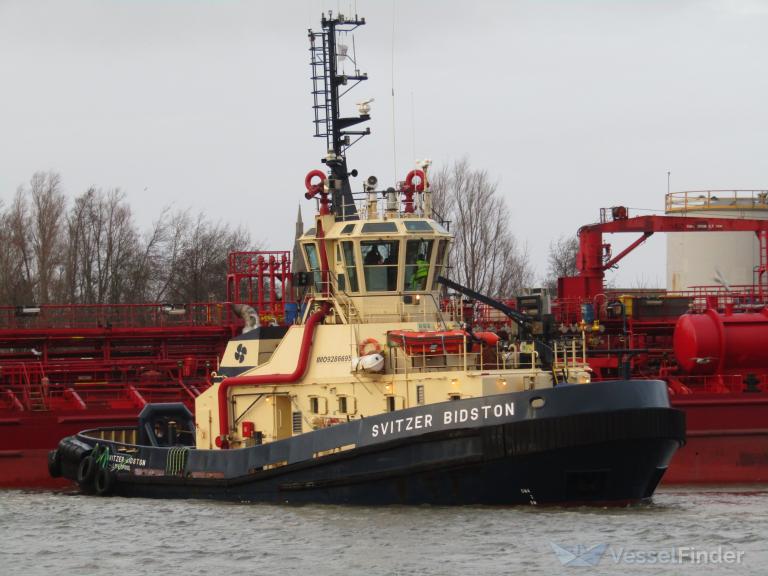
column 414, row 174
column 313, row 189
column 361, row 350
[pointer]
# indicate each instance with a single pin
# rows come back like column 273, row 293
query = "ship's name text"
column 120, row 462
column 449, row 417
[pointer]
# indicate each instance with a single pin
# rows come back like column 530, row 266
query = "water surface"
column 44, row 533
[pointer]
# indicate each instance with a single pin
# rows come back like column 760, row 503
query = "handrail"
column 347, row 300
column 358, row 209
column 696, row 200
column 69, row 316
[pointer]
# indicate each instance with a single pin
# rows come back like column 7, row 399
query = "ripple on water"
column 52, row 533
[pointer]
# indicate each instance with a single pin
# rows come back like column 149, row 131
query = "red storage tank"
column 713, row 343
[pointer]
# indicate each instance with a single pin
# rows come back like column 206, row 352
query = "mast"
column 328, row 87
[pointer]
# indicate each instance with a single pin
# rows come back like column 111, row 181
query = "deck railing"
column 703, row 200
column 115, row 315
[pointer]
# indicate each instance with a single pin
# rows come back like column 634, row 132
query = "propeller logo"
column 240, row 353
column 579, row 555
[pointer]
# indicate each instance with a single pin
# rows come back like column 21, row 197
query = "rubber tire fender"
column 86, row 470
column 54, row 464
column 104, row 482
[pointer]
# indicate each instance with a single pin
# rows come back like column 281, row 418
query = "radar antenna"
column 328, row 87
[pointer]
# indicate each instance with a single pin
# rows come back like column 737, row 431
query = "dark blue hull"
column 600, row 456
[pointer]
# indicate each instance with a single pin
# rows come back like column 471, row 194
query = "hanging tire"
column 54, row 464
column 104, row 482
column 86, row 471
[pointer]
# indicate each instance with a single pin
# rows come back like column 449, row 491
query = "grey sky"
column 571, row 105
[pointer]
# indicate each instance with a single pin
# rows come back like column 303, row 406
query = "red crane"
column 595, row 257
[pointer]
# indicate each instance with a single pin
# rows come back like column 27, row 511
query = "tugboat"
column 375, row 396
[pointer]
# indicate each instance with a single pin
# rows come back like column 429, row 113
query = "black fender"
column 104, row 481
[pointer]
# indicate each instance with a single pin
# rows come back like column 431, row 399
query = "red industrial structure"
column 595, row 256
column 708, row 344
column 65, row 367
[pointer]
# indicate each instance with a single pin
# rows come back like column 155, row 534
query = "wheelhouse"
column 380, row 256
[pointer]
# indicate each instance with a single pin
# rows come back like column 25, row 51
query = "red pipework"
column 260, row 280
column 263, row 379
column 409, row 188
column 273, row 285
column 315, row 189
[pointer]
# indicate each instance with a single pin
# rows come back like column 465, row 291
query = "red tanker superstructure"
column 63, row 367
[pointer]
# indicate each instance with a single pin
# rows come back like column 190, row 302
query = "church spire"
column 297, row 264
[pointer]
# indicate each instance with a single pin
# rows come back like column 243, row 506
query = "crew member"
column 373, row 258
column 419, row 279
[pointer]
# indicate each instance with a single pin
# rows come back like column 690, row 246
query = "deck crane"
column 594, row 256
column 524, row 322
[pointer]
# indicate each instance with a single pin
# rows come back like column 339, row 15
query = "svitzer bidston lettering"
column 449, row 417
column 474, row 414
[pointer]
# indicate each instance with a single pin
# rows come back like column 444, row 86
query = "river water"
column 705, row 531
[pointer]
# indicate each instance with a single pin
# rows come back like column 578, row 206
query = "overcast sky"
column 569, row 105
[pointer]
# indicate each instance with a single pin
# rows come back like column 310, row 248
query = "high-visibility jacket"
column 419, row 278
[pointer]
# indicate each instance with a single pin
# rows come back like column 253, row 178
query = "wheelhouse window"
column 313, row 264
column 417, row 255
column 418, row 226
column 379, row 227
column 380, row 258
column 442, row 247
column 350, row 266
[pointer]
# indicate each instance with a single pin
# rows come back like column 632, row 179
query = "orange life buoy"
column 313, row 189
column 416, row 174
column 361, row 350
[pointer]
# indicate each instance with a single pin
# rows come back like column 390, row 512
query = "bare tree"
column 7, row 260
column 21, row 273
column 562, row 260
column 148, row 262
column 93, row 253
column 102, row 244
column 443, row 203
column 197, row 253
column 47, row 217
column 74, row 259
column 486, row 256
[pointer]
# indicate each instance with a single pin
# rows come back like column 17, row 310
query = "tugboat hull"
column 573, row 448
